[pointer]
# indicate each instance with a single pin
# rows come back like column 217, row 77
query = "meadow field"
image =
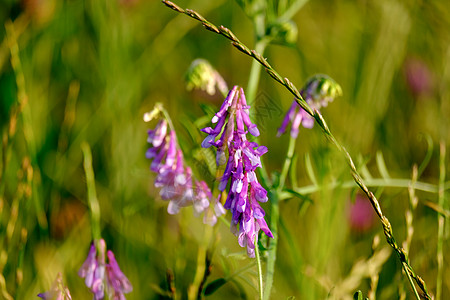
column 108, row 143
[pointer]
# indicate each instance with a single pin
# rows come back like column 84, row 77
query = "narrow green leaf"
column 293, row 171
column 298, row 195
column 309, row 169
column 428, row 155
column 358, row 296
column 382, row 165
column 362, row 166
column 214, row 286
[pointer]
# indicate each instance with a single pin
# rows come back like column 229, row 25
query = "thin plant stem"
column 194, row 289
column 252, row 86
column 441, row 220
column 24, row 108
column 320, row 120
column 255, row 72
column 409, row 217
column 274, row 220
column 260, row 275
column 166, row 115
column 287, row 163
column 372, row 182
column 408, row 275
column 292, row 10
column 94, row 206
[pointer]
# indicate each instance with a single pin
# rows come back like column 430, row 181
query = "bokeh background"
column 88, row 70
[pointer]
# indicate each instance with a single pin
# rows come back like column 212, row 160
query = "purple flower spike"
column 174, row 178
column 213, row 133
column 287, row 118
column 118, row 283
column 106, row 276
column 243, row 158
column 228, row 101
column 87, row 269
column 318, row 91
column 156, row 137
column 203, row 201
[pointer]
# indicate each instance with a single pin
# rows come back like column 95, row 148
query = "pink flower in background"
column 361, row 216
column 418, row 77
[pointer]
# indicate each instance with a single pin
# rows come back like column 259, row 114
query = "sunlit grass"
column 87, row 71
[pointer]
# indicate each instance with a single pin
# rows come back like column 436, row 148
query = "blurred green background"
column 88, row 70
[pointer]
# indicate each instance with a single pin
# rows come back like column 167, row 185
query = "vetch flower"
column 244, row 192
column 202, row 204
column 101, row 277
column 318, row 91
column 58, row 291
column 177, row 184
column 117, row 282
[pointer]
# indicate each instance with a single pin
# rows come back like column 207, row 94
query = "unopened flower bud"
column 201, row 75
column 321, row 89
column 284, row 33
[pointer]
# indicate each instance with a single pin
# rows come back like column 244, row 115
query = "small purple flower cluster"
column 318, row 91
column 245, row 192
column 175, row 180
column 103, row 277
column 58, row 291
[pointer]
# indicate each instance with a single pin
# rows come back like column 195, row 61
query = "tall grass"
column 86, row 71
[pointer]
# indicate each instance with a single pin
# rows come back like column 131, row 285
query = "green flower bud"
column 284, row 33
column 201, row 75
column 321, row 89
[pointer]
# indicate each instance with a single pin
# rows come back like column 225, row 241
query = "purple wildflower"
column 58, row 291
column 118, row 283
column 245, row 192
column 318, row 91
column 103, row 277
column 202, row 204
column 178, row 186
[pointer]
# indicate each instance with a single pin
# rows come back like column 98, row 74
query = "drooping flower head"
column 245, row 192
column 101, row 277
column 202, row 75
column 318, row 91
column 177, row 184
column 58, row 291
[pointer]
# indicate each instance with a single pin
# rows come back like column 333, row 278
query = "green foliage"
column 75, row 71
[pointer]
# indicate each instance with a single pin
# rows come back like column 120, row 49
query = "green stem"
column 272, row 252
column 441, row 219
column 194, row 290
column 252, row 87
column 274, row 219
column 292, row 10
column 287, row 164
column 410, row 280
column 260, row 276
column 375, row 182
column 255, row 73
column 92, row 194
